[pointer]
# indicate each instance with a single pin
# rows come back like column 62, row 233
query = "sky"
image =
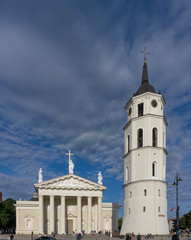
column 67, row 69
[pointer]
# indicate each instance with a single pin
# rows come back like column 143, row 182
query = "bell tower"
column 145, row 202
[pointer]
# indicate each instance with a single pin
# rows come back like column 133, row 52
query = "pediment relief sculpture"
column 70, row 182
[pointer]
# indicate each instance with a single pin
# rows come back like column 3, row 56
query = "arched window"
column 159, row 192
column 144, row 209
column 155, row 137
column 140, row 137
column 145, row 192
column 128, row 143
column 127, row 174
column 154, row 169
column 158, row 209
column 130, row 194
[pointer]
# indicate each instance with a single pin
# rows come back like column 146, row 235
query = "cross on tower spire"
column 145, row 53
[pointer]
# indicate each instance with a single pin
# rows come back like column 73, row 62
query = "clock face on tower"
column 154, row 103
column 129, row 112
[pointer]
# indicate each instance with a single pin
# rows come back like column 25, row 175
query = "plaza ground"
column 90, row 237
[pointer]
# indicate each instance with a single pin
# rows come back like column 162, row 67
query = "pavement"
column 91, row 237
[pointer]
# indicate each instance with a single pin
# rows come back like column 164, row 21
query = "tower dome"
column 145, row 86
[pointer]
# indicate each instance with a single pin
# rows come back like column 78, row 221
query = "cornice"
column 145, row 180
column 145, row 115
column 134, row 149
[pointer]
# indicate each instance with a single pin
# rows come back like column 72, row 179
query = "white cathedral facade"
column 65, row 205
column 145, row 200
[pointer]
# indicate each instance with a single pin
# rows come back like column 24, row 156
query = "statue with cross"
column 71, row 165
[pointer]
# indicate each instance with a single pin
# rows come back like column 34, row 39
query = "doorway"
column 70, row 226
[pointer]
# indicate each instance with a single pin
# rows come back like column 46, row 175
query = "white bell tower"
column 145, row 201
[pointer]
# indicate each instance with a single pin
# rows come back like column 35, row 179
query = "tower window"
column 144, row 209
column 127, row 174
column 129, row 210
column 140, row 109
column 128, row 143
column 154, row 169
column 130, row 194
column 145, row 192
column 154, row 137
column 140, row 138
column 158, row 209
column 159, row 192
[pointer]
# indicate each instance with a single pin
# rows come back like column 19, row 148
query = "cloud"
column 66, row 72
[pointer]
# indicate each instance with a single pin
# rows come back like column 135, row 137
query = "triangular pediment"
column 70, row 181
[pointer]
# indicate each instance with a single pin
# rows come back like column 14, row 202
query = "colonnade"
column 63, row 217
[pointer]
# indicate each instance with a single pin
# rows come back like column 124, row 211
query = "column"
column 63, row 215
column 41, row 214
column 17, row 220
column 99, row 214
column 89, row 214
column 51, row 220
column 96, row 213
column 79, row 206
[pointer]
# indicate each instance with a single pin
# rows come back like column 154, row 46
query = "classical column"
column 96, row 218
column 63, row 215
column 89, row 214
column 79, row 206
column 41, row 214
column 51, row 214
column 99, row 214
column 17, row 221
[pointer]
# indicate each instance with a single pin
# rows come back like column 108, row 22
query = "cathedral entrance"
column 70, row 226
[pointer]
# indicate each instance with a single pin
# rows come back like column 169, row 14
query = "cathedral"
column 145, row 201
column 65, row 205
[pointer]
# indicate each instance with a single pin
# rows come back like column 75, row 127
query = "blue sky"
column 67, row 69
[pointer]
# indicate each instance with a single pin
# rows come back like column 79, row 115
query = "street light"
column 176, row 181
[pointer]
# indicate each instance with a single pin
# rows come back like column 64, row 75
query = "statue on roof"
column 100, row 177
column 71, row 164
column 40, row 177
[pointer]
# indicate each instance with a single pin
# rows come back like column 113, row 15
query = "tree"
column 8, row 215
column 120, row 223
column 186, row 220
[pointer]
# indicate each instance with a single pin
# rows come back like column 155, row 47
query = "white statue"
column 71, row 165
column 40, row 177
column 100, row 177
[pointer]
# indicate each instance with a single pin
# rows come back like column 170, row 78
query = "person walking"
column 11, row 236
column 139, row 237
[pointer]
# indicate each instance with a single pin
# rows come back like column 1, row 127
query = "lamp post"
column 176, row 181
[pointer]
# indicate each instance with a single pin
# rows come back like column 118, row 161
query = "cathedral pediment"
column 70, row 181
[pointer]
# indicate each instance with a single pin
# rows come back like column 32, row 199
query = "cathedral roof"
column 145, row 86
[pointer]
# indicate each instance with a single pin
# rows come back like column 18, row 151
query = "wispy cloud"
column 67, row 70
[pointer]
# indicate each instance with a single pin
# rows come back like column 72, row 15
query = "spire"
column 145, row 72
column 145, row 86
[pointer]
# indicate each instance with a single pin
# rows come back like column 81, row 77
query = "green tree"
column 186, row 220
column 120, row 223
column 8, row 215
